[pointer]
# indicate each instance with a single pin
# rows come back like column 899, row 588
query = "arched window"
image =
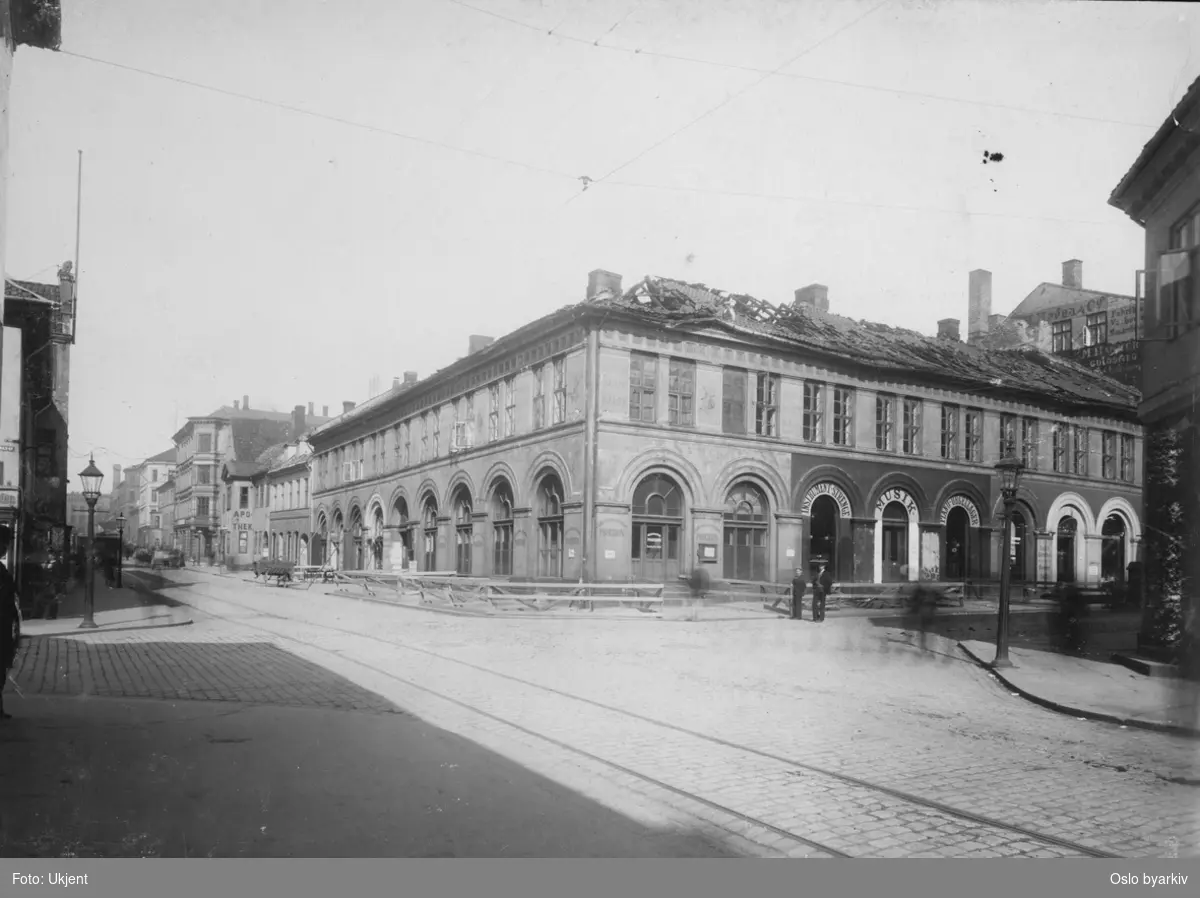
column 429, row 524
column 550, row 526
column 502, row 530
column 462, row 532
column 747, row 552
column 1112, row 548
column 657, row 529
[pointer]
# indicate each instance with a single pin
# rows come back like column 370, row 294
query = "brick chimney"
column 347, row 406
column 324, row 411
column 948, row 329
column 601, row 281
column 979, row 302
column 476, row 343
column 1073, row 274
column 410, row 377
column 246, row 403
column 815, row 296
column 297, row 422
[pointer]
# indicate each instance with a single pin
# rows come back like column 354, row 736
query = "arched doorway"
column 304, row 549
column 463, row 531
column 320, row 542
column 958, row 538
column 355, row 550
column 1068, row 531
column 404, row 532
column 502, row 529
column 747, row 549
column 376, row 541
column 823, row 531
column 550, row 526
column 336, row 541
column 894, row 526
column 657, row 529
column 1113, row 534
column 429, row 526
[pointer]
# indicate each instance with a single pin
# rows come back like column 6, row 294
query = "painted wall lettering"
column 833, row 491
column 964, row 503
column 895, row 494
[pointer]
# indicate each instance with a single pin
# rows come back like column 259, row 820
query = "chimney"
column 235, row 405
column 994, row 321
column 324, row 411
column 395, row 383
column 410, row 377
column 815, row 296
column 347, row 406
column 297, row 422
column 948, row 329
column 310, row 409
column 979, row 302
column 476, row 343
column 246, row 403
column 1073, row 274
column 66, row 288
column 601, row 282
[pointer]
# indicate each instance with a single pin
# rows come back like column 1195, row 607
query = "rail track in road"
column 827, row 794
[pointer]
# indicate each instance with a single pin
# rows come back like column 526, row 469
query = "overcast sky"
column 235, row 247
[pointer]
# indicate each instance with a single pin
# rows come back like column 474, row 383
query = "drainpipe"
column 588, row 568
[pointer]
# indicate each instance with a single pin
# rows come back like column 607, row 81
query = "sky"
column 285, row 200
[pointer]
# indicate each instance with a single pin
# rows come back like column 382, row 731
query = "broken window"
column 1008, row 436
column 812, row 422
column 912, row 426
column 681, row 388
column 733, row 400
column 766, row 404
column 950, row 424
column 1096, row 329
column 1059, row 436
column 1029, row 443
column 559, row 409
column 843, row 416
column 493, row 413
column 885, row 423
column 1108, row 455
column 643, row 375
column 1127, row 458
column 1080, row 465
column 539, row 397
column 510, row 406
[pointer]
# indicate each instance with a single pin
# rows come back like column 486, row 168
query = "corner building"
column 638, row 435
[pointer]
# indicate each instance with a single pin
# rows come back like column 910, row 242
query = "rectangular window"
column 437, row 432
column 643, row 375
column 153, row 495
column 1059, row 432
column 733, row 400
column 406, row 444
column 1127, row 458
column 539, row 397
column 681, row 393
column 202, row 506
column 766, row 404
column 973, row 435
column 843, row 416
column 510, row 407
column 493, row 413
column 154, row 476
column 813, row 418
column 502, row 542
column 912, row 427
column 244, row 498
column 1029, row 443
column 1108, row 454
column 1008, row 436
column 426, row 427
column 243, row 542
column 1178, row 306
column 205, row 442
column 1096, row 329
column 885, row 423
column 558, row 412
column 203, row 474
column 950, row 424
column 397, row 448
column 1080, row 463
column 1060, row 336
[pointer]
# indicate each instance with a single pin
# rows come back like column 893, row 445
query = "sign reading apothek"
column 9, row 497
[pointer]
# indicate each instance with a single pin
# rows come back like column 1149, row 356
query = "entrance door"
column 657, row 525
column 1066, row 550
column 746, row 555
column 957, row 525
column 895, row 542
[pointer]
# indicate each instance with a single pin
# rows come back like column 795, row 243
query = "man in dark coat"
column 798, row 586
column 822, row 587
column 10, row 618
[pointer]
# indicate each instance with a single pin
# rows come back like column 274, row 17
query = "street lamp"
column 1010, row 480
column 121, row 546
column 90, row 477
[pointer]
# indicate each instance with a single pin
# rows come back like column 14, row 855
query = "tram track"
column 826, row 793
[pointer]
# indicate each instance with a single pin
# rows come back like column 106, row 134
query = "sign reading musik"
column 833, row 491
column 895, row 494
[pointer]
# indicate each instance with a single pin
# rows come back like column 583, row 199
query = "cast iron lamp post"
column 121, row 548
column 90, row 477
column 1010, row 480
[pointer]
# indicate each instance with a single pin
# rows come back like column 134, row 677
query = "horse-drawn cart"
column 280, row 571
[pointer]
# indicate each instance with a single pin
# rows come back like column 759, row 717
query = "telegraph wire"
column 818, row 79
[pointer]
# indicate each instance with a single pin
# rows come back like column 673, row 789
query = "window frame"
column 912, row 413
column 885, row 422
column 951, row 413
column 643, row 387
column 766, row 404
column 812, row 419
column 681, row 392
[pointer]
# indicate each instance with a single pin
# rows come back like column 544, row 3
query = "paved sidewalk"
column 1094, row 689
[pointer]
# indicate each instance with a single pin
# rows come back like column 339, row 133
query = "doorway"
column 958, row 525
column 1067, row 535
column 895, row 542
column 657, row 525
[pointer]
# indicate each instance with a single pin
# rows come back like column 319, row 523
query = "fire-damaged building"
column 639, row 434
column 39, row 330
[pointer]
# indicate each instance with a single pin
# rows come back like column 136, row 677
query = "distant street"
column 803, row 739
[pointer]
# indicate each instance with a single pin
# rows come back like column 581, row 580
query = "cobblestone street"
column 763, row 728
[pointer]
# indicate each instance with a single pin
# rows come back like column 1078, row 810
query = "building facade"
column 166, row 512
column 151, row 475
column 1092, row 327
column 1161, row 192
column 286, row 489
column 637, row 436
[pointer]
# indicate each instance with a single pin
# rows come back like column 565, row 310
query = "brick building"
column 285, row 490
column 636, row 435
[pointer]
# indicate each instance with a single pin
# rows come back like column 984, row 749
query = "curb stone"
column 1134, row 722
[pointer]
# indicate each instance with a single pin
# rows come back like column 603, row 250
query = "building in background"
column 45, row 316
column 638, row 435
column 151, row 474
column 166, row 512
column 1161, row 192
column 1092, row 327
column 77, row 518
column 286, row 486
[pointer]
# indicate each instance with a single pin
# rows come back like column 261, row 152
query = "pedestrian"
column 922, row 608
column 10, row 618
column 110, row 572
column 1073, row 613
column 798, row 586
column 826, row 583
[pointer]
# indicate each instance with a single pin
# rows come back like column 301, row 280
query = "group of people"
column 822, row 586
